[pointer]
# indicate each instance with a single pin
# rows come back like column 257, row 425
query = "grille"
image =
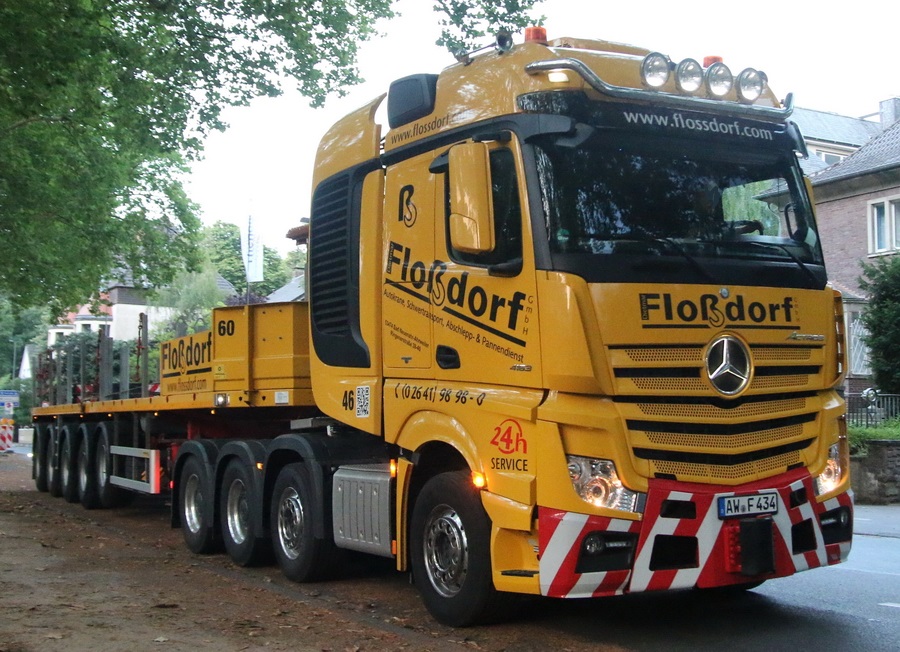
column 329, row 256
column 689, row 431
column 712, row 472
column 676, row 439
column 706, row 411
column 666, row 354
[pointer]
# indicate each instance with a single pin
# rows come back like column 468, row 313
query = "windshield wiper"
column 787, row 252
column 673, row 244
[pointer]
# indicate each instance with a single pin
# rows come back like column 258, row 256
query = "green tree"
column 465, row 24
column 881, row 319
column 191, row 296
column 103, row 101
column 17, row 328
column 222, row 244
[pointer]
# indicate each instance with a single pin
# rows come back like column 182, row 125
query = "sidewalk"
column 877, row 520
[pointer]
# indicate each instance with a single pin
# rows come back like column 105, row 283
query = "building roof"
column 295, row 290
column 825, row 127
column 881, row 153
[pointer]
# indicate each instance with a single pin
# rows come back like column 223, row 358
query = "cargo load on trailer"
column 569, row 334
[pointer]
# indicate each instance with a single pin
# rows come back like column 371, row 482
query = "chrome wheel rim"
column 446, row 549
column 193, row 504
column 238, row 512
column 291, row 522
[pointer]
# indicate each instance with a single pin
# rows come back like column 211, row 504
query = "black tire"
column 86, row 470
column 301, row 556
column 39, row 448
column 68, row 465
column 54, row 486
column 237, row 500
column 109, row 495
column 450, row 553
column 200, row 535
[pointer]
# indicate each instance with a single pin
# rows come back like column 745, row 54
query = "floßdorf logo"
column 192, row 354
column 459, row 292
column 662, row 310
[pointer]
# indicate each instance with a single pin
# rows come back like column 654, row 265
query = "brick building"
column 858, row 210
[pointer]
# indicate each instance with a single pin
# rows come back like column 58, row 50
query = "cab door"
column 411, row 273
column 485, row 328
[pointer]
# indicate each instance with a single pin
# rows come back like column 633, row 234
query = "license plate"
column 752, row 505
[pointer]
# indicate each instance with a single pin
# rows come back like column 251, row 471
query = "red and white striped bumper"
column 681, row 542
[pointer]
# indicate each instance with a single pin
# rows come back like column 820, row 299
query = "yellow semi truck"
column 569, row 334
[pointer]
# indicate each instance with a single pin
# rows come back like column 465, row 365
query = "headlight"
column 597, row 482
column 750, row 85
column 718, row 79
column 689, row 76
column 655, row 69
column 829, row 479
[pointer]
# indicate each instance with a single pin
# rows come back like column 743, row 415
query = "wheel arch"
column 291, row 448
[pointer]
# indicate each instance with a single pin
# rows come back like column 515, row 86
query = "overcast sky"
column 833, row 59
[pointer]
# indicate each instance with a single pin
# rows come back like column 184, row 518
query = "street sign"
column 9, row 398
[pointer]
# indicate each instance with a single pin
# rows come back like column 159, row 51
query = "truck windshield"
column 622, row 206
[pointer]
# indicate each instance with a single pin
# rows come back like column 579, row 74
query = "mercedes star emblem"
column 728, row 365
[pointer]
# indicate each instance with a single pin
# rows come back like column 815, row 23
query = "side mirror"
column 471, row 200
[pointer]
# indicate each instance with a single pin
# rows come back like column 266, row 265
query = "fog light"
column 594, row 544
column 689, row 76
column 655, row 69
column 750, row 85
column 718, row 79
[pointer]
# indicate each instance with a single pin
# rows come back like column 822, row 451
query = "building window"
column 884, row 225
column 830, row 157
column 859, row 352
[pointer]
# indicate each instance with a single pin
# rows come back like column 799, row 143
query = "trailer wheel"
column 39, row 462
column 87, row 475
column 54, row 486
column 450, row 553
column 108, row 494
column 68, row 467
column 237, row 500
column 301, row 556
column 199, row 535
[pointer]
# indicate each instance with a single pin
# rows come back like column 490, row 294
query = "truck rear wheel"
column 68, row 466
column 237, row 499
column 51, row 457
column 87, row 475
column 109, row 495
column 199, row 535
column 39, row 452
column 301, row 556
column 450, row 553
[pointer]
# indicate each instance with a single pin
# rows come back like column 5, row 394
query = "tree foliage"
column 882, row 321
column 103, row 101
column 466, row 24
column 222, row 243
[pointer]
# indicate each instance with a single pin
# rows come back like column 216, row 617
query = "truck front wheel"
column 451, row 555
column 301, row 556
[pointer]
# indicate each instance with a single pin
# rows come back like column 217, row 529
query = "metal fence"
column 871, row 409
